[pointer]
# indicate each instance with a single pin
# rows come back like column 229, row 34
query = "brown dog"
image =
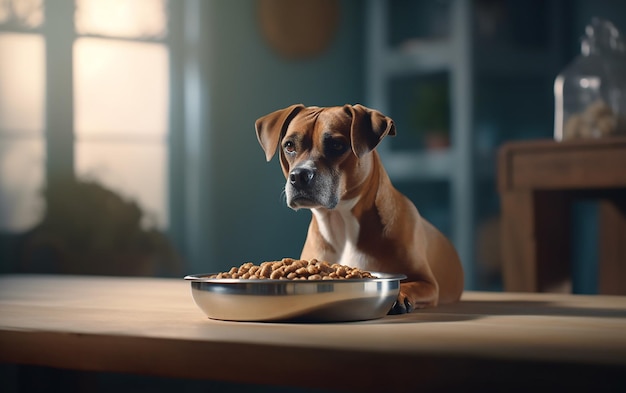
column 359, row 219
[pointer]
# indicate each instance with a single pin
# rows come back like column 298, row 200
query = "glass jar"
column 590, row 94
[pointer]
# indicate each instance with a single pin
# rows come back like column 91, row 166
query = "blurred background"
column 127, row 143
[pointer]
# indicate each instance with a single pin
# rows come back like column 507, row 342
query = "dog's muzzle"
column 306, row 188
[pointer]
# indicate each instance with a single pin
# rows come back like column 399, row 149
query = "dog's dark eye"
column 336, row 147
column 289, row 147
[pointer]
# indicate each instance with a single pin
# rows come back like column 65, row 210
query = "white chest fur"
column 341, row 229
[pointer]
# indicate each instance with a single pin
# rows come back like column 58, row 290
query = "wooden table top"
column 152, row 326
column 546, row 164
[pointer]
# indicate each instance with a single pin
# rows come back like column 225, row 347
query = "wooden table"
column 151, row 326
column 538, row 182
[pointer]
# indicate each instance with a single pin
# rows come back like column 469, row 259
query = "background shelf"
column 489, row 64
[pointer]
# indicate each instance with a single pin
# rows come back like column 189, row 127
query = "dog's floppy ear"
column 369, row 127
column 271, row 127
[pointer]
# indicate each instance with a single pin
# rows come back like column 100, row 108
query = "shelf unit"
column 455, row 164
column 487, row 48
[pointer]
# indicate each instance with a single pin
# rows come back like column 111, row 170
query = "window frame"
column 59, row 35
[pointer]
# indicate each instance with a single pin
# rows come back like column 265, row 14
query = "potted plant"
column 89, row 229
column 431, row 113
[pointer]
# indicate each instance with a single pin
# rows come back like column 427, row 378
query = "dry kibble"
column 276, row 274
column 266, row 271
column 341, row 271
column 293, row 269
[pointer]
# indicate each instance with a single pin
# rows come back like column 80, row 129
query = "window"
column 105, row 121
column 120, row 103
column 121, row 98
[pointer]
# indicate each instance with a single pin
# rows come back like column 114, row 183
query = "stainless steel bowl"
column 288, row 300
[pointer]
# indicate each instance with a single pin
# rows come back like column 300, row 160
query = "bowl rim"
column 380, row 276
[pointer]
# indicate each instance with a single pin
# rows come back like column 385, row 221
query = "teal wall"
column 245, row 217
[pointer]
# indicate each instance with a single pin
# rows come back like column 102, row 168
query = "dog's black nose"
column 301, row 177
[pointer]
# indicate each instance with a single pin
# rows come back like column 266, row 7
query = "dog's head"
column 323, row 151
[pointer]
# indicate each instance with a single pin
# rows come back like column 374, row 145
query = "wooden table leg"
column 612, row 269
column 519, row 270
column 536, row 241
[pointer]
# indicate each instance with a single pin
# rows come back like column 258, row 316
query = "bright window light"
column 22, row 77
column 122, row 18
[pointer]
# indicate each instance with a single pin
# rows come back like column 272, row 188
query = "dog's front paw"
column 402, row 305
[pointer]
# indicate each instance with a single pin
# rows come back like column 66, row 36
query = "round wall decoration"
column 298, row 28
